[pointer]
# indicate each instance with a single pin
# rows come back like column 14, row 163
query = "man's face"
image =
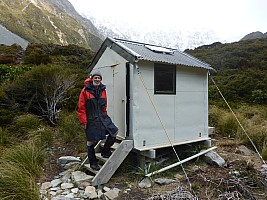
column 97, row 80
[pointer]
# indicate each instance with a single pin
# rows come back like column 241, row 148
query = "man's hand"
column 83, row 126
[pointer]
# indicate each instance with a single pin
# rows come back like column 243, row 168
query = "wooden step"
column 113, row 162
column 87, row 166
column 99, row 157
column 114, row 146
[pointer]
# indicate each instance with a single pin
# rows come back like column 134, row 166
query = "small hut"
column 156, row 95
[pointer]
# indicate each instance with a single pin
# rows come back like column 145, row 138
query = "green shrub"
column 28, row 156
column 42, row 91
column 4, row 137
column 71, row 103
column 23, row 124
column 36, row 55
column 8, row 73
column 215, row 114
column 17, row 183
column 70, row 127
column 7, row 113
column 258, row 134
column 6, row 116
column 263, row 112
column 228, row 125
column 43, row 136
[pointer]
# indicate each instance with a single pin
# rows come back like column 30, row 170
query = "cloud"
column 229, row 19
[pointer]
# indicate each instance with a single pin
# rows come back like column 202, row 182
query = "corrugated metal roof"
column 170, row 56
column 136, row 51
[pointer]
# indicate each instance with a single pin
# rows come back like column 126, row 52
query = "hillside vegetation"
column 241, row 70
column 32, row 120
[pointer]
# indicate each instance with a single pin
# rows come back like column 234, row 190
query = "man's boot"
column 92, row 157
column 106, row 151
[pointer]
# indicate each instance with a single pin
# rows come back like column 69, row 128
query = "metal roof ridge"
column 192, row 57
column 129, row 50
column 143, row 44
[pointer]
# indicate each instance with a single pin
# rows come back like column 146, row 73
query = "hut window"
column 164, row 79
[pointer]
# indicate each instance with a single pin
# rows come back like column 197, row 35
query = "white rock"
column 66, row 176
column 67, row 159
column 66, row 192
column 54, row 189
column 56, row 182
column 70, row 195
column 106, row 189
column 145, row 183
column 90, row 192
column 212, row 157
column 71, row 165
column 66, row 186
column 112, row 194
column 74, row 190
column 84, row 184
column 52, row 193
column 78, row 177
column 244, row 150
column 164, row 181
column 99, row 194
column 46, row 185
column 61, row 197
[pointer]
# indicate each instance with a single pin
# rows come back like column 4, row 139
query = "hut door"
column 119, row 98
column 128, row 99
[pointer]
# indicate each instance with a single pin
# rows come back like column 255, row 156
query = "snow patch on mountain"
column 178, row 38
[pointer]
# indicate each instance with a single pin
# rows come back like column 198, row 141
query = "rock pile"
column 73, row 184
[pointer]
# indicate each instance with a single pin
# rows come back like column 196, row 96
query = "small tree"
column 54, row 93
column 42, row 90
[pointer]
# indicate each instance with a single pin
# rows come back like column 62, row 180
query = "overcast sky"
column 229, row 19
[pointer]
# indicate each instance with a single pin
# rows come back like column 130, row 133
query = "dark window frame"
column 164, row 79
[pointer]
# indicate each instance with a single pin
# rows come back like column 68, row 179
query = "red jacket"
column 84, row 96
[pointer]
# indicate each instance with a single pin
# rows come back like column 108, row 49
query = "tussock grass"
column 69, row 127
column 16, row 183
column 43, row 136
column 228, row 125
column 27, row 156
column 253, row 120
column 4, row 137
column 258, row 134
column 21, row 159
column 215, row 114
column 23, row 124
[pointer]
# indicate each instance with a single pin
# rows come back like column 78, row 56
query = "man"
column 92, row 113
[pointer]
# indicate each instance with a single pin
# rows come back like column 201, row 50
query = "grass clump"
column 4, row 137
column 43, row 136
column 70, row 127
column 23, row 124
column 258, row 134
column 28, row 156
column 253, row 120
column 228, row 125
column 16, row 183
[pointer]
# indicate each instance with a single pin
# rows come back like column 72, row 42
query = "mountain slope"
column 254, row 35
column 48, row 21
